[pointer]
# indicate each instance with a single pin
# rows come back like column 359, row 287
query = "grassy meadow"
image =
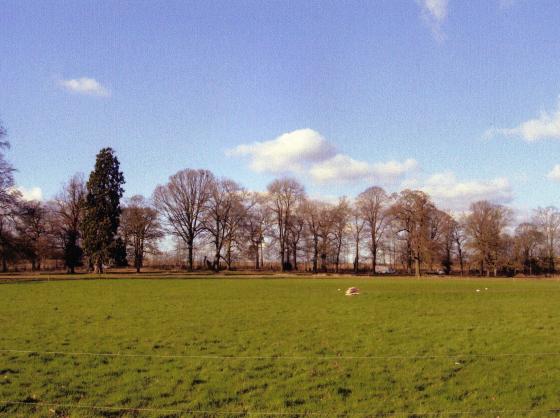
column 280, row 347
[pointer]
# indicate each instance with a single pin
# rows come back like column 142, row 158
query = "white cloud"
column 554, row 174
column 545, row 126
column 306, row 152
column 342, row 168
column 448, row 192
column 434, row 13
column 34, row 193
column 85, row 85
column 290, row 152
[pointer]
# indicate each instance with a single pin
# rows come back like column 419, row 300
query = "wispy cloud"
column 342, row 168
column 554, row 174
column 85, row 85
column 434, row 13
column 451, row 193
column 306, row 152
column 545, row 126
column 33, row 193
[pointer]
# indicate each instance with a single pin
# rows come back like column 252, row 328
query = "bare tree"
column 256, row 226
column 284, row 196
column 6, row 173
column 547, row 221
column 527, row 238
column 8, row 204
column 140, row 228
column 414, row 213
column 448, row 244
column 357, row 228
column 373, row 205
column 225, row 213
column 33, row 232
column 67, row 207
column 340, row 228
column 460, row 238
column 295, row 232
column 485, row 226
column 314, row 213
column 182, row 202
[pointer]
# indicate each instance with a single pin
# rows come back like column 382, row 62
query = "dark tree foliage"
column 102, row 209
column 118, row 253
column 73, row 253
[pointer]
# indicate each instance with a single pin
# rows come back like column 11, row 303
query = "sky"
column 460, row 99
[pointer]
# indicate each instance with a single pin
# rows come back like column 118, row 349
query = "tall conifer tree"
column 102, row 209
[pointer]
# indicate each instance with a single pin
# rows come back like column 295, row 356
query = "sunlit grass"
column 237, row 346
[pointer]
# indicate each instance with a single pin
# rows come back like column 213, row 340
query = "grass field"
column 289, row 347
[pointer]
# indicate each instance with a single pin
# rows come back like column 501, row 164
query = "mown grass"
column 297, row 347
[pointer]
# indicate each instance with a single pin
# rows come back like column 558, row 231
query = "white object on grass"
column 352, row 291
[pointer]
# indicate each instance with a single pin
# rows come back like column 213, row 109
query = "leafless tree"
column 32, row 229
column 141, row 229
column 182, row 203
column 67, row 214
column 448, row 235
column 284, row 196
column 340, row 228
column 460, row 238
column 527, row 238
column 547, row 220
column 256, row 226
column 414, row 212
column 314, row 213
column 295, row 232
column 224, row 218
column 6, row 173
column 357, row 227
column 373, row 205
column 485, row 227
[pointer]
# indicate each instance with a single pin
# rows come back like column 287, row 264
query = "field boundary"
column 273, row 357
column 273, row 413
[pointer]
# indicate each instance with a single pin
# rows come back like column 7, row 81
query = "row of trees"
column 403, row 230
column 89, row 224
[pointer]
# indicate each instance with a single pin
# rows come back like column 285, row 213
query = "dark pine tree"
column 102, row 209
column 73, row 253
column 119, row 253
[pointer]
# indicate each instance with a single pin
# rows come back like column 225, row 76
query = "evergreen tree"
column 118, row 253
column 72, row 251
column 102, row 209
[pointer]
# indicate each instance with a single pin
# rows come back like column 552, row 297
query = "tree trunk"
column 4, row 265
column 294, row 256
column 357, row 257
column 99, row 266
column 216, row 263
column 417, row 267
column 190, row 246
column 315, row 255
column 374, row 259
column 257, row 256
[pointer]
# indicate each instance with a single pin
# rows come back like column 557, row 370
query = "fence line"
column 282, row 357
column 273, row 413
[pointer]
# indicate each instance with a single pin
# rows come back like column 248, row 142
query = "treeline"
column 204, row 222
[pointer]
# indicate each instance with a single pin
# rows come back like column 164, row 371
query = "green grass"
column 403, row 347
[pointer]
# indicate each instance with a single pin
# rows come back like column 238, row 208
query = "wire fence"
column 284, row 357
column 477, row 412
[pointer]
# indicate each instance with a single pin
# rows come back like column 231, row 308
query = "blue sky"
column 460, row 99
